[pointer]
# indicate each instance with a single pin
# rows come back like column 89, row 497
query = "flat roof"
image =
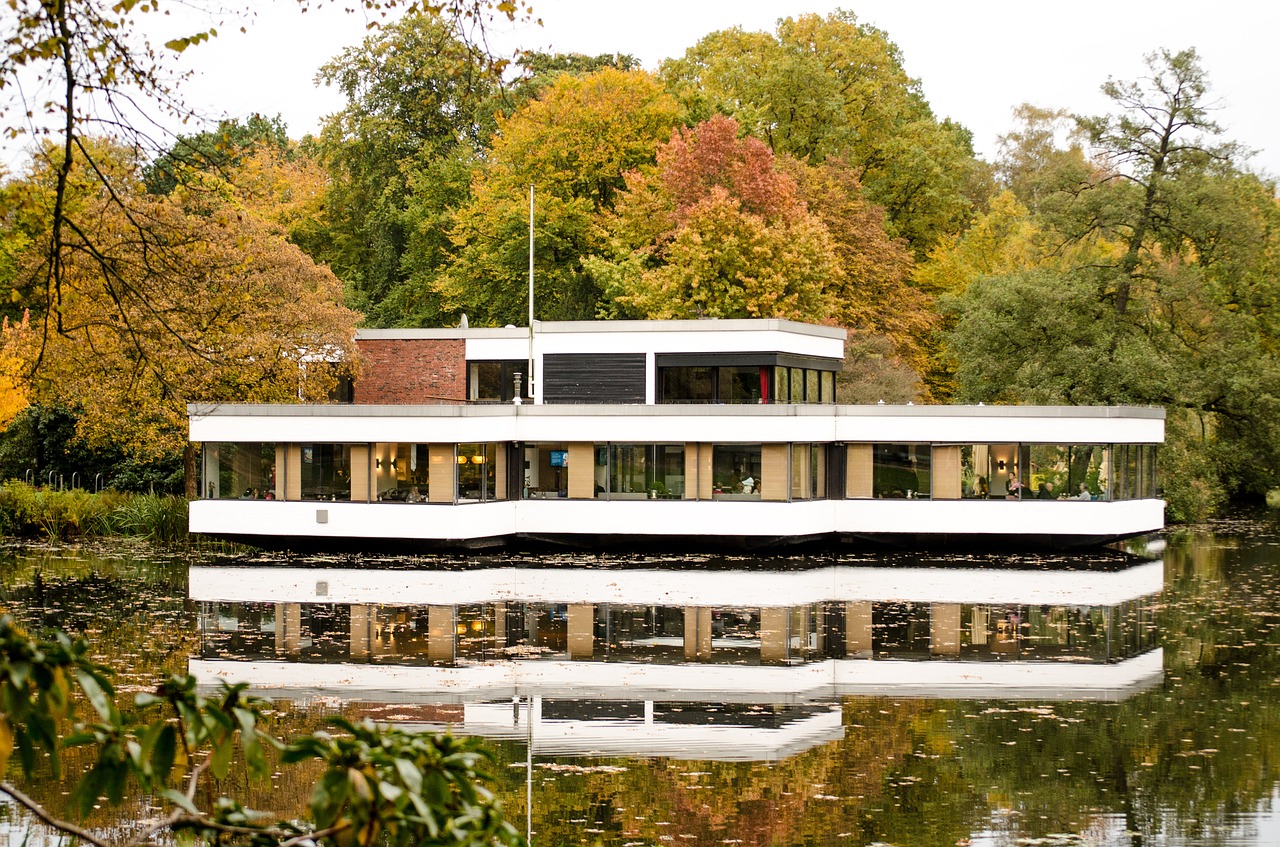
column 503, row 410
column 589, row 327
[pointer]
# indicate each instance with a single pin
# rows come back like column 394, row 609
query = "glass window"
column 239, row 471
column 402, row 472
column 828, row 380
column 811, row 393
column 782, row 385
column 645, row 471
column 1088, row 477
column 686, row 385
column 495, row 382
column 735, row 471
column 738, row 384
column 477, row 472
column 797, row 385
column 1049, row 471
column 975, row 472
column 326, row 472
column 546, row 471
column 901, row 470
column 808, row 471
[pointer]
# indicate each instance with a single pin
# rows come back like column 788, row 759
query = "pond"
column 1126, row 697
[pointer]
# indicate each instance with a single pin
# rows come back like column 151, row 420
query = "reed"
column 27, row 511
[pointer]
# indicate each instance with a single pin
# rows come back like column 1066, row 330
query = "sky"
column 975, row 61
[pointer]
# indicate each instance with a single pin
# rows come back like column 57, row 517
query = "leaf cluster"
column 378, row 784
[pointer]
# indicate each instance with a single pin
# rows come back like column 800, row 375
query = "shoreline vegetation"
column 27, row 512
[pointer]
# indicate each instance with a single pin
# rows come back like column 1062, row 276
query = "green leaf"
column 179, row 799
column 220, row 763
column 93, row 690
column 163, row 754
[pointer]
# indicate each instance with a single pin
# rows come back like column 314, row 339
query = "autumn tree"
column 715, row 230
column 573, row 143
column 202, row 301
column 823, row 87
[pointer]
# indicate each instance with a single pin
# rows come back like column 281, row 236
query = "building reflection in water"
column 724, row 664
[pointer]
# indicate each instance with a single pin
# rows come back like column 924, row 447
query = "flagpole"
column 532, row 393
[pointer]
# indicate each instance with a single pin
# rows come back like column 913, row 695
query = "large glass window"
column 686, row 385
column 901, row 470
column 326, row 472
column 644, row 471
column 477, row 472
column 1035, row 471
column 1135, row 472
column 738, row 384
column 735, row 471
column 546, row 471
column 808, row 471
column 239, row 471
column 402, row 472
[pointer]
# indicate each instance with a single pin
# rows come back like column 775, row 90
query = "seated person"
column 1046, row 491
column 748, row 484
column 1084, row 493
column 415, row 496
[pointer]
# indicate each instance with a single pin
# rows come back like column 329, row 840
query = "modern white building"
column 704, row 433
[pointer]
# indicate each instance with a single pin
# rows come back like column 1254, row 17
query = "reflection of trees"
column 1180, row 759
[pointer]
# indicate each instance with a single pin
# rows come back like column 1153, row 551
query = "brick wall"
column 412, row 371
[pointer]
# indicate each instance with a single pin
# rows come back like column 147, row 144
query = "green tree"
column 822, row 87
column 399, row 158
column 574, row 144
column 1157, row 284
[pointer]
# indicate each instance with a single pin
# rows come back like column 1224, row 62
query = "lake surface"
column 1120, row 698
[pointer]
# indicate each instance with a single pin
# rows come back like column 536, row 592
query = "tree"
column 1154, row 282
column 715, row 230
column 420, row 107
column 378, row 785
column 201, row 301
column 822, row 87
column 573, row 144
column 82, row 69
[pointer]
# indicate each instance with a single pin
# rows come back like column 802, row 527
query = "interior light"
column 477, row 460
column 462, row 460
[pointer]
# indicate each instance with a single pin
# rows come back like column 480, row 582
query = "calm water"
column 1120, row 698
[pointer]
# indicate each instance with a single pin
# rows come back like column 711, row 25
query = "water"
column 1117, row 699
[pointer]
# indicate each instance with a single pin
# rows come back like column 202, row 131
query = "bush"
column 30, row 512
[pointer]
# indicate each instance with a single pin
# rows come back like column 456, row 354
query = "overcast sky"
column 975, row 61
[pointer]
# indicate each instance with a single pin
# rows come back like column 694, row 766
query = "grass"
column 27, row 511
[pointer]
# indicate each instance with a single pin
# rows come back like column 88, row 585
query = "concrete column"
column 857, row 628
column 361, row 472
column 697, row 633
column 582, row 471
column 500, row 471
column 691, row 475
column 773, row 635
column 289, row 628
column 705, row 481
column 858, row 476
column 946, row 473
column 282, row 462
column 361, row 631
column 944, row 629
column 582, row 629
column 442, row 637
column 443, row 473
column 775, row 478
column 293, row 472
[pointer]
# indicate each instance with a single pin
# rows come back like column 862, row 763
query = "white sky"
column 976, row 61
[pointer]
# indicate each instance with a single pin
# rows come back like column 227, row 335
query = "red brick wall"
column 412, row 371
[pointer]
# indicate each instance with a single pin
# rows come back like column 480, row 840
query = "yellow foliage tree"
column 165, row 303
column 13, row 383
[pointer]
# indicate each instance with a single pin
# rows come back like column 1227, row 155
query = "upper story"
column 632, row 362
